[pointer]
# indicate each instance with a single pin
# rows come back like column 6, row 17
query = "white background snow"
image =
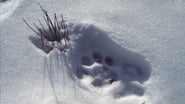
column 155, row 29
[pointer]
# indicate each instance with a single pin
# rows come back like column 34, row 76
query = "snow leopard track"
column 100, row 63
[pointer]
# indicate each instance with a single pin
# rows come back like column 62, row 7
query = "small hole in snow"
column 85, row 60
column 111, row 81
column 97, row 82
column 97, row 57
column 109, row 61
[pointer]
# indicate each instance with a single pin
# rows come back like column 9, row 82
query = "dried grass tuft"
column 55, row 32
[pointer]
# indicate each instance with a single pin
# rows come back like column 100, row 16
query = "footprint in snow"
column 96, row 56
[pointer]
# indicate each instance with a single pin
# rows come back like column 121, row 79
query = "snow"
column 121, row 52
column 7, row 7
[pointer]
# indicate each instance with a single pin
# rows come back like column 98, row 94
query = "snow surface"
column 121, row 52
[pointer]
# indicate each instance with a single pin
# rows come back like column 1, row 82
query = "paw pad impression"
column 97, row 57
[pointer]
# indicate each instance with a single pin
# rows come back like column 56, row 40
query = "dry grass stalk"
column 56, row 31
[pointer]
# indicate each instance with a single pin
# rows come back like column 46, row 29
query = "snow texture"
column 7, row 7
column 121, row 52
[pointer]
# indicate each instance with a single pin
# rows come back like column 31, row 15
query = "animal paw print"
column 98, row 67
column 106, row 63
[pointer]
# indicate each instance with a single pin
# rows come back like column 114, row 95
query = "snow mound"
column 7, row 8
column 100, row 63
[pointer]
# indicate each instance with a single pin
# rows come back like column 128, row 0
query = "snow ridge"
column 7, row 8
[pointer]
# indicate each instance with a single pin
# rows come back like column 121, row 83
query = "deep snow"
column 144, row 40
